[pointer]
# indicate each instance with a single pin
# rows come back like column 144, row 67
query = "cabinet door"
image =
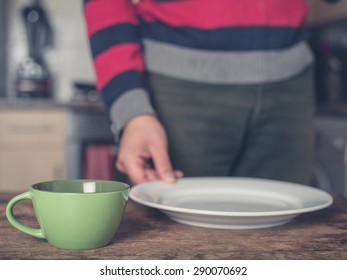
column 20, row 168
column 31, row 127
column 32, row 147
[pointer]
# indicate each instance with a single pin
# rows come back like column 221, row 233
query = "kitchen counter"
column 146, row 233
column 24, row 103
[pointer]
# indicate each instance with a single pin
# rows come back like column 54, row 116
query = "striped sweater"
column 211, row 41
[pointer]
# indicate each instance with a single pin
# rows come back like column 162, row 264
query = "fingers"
column 163, row 166
column 135, row 171
column 178, row 174
column 144, row 139
column 152, row 174
column 120, row 166
column 142, row 172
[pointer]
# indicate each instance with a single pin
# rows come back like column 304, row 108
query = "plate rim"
column 162, row 207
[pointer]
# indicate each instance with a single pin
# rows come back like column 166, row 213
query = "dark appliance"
column 33, row 78
column 329, row 44
column 3, row 46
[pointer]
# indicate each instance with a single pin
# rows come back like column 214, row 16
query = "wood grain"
column 147, row 234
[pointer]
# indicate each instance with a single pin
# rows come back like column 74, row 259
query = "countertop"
column 147, row 234
column 37, row 103
column 338, row 110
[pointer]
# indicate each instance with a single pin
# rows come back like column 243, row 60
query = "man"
column 205, row 88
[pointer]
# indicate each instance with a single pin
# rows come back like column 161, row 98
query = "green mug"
column 74, row 214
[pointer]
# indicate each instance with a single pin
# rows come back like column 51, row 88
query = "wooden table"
column 147, row 234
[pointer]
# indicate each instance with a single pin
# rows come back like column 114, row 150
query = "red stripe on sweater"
column 225, row 13
column 104, row 13
column 117, row 60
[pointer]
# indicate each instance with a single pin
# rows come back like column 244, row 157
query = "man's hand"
column 144, row 142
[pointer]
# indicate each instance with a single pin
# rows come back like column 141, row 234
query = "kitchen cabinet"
column 50, row 141
column 32, row 147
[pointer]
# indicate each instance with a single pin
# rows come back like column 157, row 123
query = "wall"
column 69, row 59
column 3, row 49
column 322, row 12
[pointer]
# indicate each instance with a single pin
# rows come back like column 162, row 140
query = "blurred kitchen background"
column 52, row 121
column 67, row 53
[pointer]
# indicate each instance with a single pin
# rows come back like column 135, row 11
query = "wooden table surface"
column 147, row 234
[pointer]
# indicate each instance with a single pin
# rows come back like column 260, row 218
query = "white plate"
column 231, row 203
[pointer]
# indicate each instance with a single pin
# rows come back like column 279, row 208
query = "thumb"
column 163, row 165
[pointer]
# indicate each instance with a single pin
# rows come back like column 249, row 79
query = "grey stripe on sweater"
column 130, row 104
column 224, row 67
column 220, row 67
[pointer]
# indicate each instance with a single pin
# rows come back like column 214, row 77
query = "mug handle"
column 36, row 232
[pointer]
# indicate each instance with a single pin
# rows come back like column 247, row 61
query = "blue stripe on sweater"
column 111, row 36
column 120, row 84
column 224, row 39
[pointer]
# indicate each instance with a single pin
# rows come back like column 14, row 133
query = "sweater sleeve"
column 115, row 44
